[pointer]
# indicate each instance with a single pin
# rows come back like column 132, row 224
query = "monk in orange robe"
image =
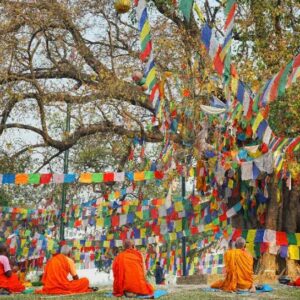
column 130, row 273
column 239, row 269
column 55, row 277
column 8, row 280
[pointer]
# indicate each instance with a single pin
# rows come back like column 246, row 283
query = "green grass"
column 280, row 292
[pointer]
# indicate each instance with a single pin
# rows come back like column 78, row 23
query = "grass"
column 280, row 292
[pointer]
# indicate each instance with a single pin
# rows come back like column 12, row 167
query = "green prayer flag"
column 34, row 178
column 257, row 249
column 216, row 221
column 244, row 234
column 283, row 79
column 107, row 222
column 97, row 177
column 146, row 214
column 186, row 8
column 291, row 238
column 149, row 175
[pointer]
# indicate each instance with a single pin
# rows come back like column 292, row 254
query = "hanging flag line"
column 88, row 178
column 147, row 55
column 246, row 100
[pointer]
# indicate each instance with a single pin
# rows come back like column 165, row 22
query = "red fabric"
column 297, row 282
column 55, row 278
column 108, row 177
column 218, row 64
column 12, row 283
column 114, row 220
column 154, row 213
column 45, row 178
column 159, row 174
column 129, row 274
column 281, row 238
column 237, row 233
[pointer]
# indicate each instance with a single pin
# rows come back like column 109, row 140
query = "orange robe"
column 55, row 279
column 11, row 283
column 239, row 271
column 129, row 274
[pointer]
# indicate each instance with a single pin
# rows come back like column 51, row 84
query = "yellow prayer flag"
column 143, row 232
column 234, row 85
column 251, row 235
column 250, row 248
column 178, row 225
column 139, row 214
column 294, row 252
column 298, row 238
column 178, row 206
column 172, row 236
column 257, row 121
column 106, row 244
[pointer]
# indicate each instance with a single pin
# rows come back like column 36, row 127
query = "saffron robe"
column 129, row 274
column 12, row 283
column 239, row 271
column 55, row 279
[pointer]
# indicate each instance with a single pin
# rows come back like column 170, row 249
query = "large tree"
column 80, row 55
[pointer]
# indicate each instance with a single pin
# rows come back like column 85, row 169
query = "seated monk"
column 8, row 280
column 239, row 269
column 130, row 273
column 55, row 277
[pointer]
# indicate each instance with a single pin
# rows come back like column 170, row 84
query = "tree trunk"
column 268, row 261
column 290, row 224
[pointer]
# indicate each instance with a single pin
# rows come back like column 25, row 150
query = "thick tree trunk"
column 268, row 261
column 290, row 224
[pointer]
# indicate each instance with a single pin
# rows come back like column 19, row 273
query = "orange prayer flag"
column 85, row 178
column 138, row 176
column 21, row 178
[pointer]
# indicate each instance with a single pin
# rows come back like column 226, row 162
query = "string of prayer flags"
column 147, row 55
column 86, row 178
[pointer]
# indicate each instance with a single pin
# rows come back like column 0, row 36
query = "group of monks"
column 128, row 270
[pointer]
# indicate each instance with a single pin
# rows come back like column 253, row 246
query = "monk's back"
column 134, row 273
column 129, row 274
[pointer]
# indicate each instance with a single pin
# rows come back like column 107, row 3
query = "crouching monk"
column 129, row 273
column 55, row 277
column 239, row 269
column 8, row 280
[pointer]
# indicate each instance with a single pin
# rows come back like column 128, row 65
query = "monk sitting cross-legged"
column 239, row 269
column 129, row 273
column 9, row 281
column 55, row 278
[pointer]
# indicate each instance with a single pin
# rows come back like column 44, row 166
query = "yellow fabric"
column 239, row 271
column 251, row 235
column 298, row 238
column 294, row 252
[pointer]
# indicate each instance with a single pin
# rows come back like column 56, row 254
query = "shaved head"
column 240, row 243
column 128, row 244
column 66, row 250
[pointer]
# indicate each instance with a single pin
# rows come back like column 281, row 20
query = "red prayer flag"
column 159, row 174
column 237, row 233
column 281, row 238
column 108, row 177
column 45, row 178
